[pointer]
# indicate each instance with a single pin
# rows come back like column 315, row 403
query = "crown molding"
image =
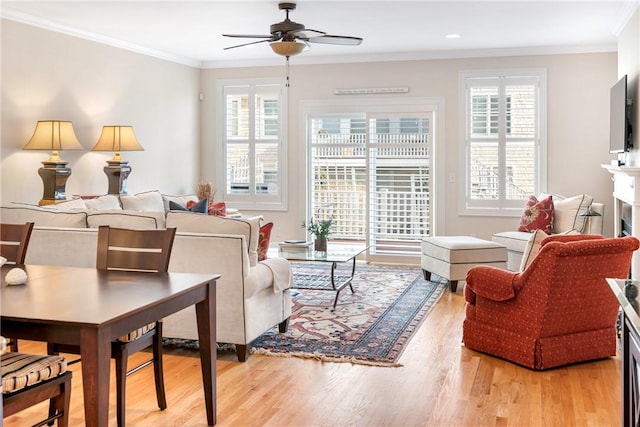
column 624, row 16
column 17, row 16
column 417, row 56
column 24, row 18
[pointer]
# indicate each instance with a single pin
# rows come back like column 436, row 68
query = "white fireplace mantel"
column 626, row 189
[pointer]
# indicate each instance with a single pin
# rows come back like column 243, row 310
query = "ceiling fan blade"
column 249, row 36
column 341, row 40
column 246, row 44
column 308, row 33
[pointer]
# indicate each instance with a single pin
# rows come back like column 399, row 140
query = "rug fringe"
column 324, row 358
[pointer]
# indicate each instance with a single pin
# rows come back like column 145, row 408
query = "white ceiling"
column 189, row 32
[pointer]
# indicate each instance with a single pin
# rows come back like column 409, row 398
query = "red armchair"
column 558, row 311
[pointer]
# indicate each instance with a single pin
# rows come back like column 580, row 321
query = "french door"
column 372, row 174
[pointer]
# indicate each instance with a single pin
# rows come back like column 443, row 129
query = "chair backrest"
column 566, row 283
column 14, row 241
column 134, row 250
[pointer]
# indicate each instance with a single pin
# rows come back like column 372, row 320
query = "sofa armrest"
column 490, row 282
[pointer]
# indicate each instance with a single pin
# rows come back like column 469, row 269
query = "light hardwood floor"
column 442, row 383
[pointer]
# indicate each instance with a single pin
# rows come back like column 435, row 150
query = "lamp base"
column 117, row 174
column 54, row 179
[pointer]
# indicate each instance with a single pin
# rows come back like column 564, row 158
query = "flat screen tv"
column 619, row 125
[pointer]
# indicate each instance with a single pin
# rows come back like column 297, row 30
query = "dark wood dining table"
column 91, row 308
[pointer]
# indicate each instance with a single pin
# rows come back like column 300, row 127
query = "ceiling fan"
column 289, row 38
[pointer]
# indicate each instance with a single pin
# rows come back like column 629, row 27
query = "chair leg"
column 121, row 383
column 426, row 274
column 158, row 368
column 61, row 403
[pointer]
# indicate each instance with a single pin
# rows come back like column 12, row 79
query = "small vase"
column 320, row 244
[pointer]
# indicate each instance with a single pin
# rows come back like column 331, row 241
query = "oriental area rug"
column 371, row 326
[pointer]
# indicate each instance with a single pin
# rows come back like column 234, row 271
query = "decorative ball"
column 16, row 276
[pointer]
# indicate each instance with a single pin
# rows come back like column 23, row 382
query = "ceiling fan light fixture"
column 287, row 48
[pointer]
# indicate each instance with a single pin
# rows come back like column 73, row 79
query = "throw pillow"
column 106, row 202
column 197, row 207
column 263, row 241
column 537, row 215
column 180, row 199
column 567, row 212
column 148, row 201
column 534, row 244
column 218, row 209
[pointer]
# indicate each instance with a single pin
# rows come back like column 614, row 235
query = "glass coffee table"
column 336, row 254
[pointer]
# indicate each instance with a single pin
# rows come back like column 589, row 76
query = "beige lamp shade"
column 286, row 48
column 117, row 138
column 53, row 135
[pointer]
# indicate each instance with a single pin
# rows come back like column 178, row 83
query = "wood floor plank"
column 441, row 383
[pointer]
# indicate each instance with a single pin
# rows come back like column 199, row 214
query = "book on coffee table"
column 290, row 245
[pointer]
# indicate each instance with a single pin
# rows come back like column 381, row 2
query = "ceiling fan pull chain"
column 287, row 84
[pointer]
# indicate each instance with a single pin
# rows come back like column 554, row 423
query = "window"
column 372, row 176
column 253, row 144
column 503, row 139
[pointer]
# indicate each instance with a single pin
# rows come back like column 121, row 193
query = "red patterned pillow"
column 218, row 209
column 263, row 241
column 537, row 215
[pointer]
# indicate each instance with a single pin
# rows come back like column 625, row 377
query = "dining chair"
column 28, row 379
column 146, row 251
column 14, row 241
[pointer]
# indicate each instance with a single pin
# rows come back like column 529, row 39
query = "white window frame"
column 251, row 201
column 500, row 207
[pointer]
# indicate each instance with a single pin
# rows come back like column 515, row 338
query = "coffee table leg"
column 349, row 281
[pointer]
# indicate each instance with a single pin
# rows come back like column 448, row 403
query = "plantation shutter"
column 400, row 180
column 502, row 139
column 252, row 141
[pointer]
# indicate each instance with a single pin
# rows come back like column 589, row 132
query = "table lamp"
column 54, row 135
column 117, row 138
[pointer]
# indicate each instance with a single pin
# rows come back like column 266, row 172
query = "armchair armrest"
column 490, row 282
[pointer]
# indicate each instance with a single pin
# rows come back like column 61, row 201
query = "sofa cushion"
column 182, row 200
column 248, row 227
column 537, row 215
column 103, row 203
column 138, row 220
column 567, row 212
column 67, row 205
column 44, row 217
column 147, row 201
column 515, row 241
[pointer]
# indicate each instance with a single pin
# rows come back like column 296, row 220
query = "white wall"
column 578, row 120
column 46, row 75
column 629, row 64
column 51, row 76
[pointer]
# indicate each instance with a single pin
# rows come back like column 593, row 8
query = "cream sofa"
column 251, row 296
column 567, row 217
